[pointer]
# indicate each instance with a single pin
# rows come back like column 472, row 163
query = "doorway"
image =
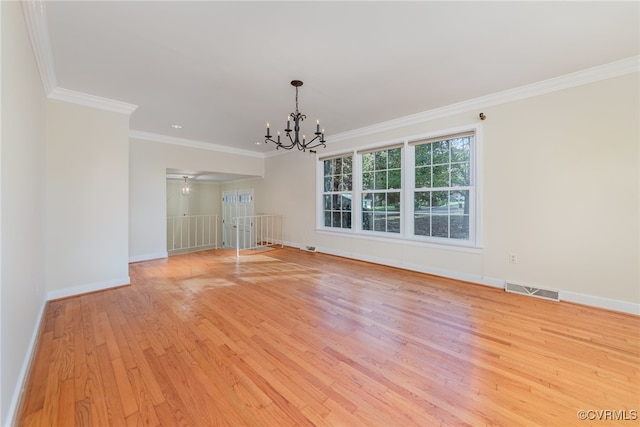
column 237, row 203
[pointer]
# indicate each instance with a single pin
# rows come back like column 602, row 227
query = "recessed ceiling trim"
column 36, row 19
column 590, row 75
column 148, row 136
column 89, row 100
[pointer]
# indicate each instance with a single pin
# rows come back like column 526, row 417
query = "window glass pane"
column 393, row 202
column 440, row 226
column 338, row 167
column 422, row 224
column 379, row 202
column 423, row 155
column 459, row 202
column 367, row 162
column 380, row 221
column 459, row 227
column 347, row 165
column 367, row 221
column 337, row 181
column 346, row 219
column 337, row 201
column 381, row 180
column 347, row 181
column 336, row 219
column 441, row 176
column 367, row 181
column 460, row 149
column 393, row 223
column 328, row 183
column 423, row 177
column 440, row 152
column 422, row 201
column 327, row 201
column 367, row 202
column 346, row 202
column 394, row 158
column 381, row 160
column 395, row 179
column 327, row 218
column 460, row 174
column 327, row 167
column 440, row 202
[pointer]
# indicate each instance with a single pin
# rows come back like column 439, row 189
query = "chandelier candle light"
column 303, row 145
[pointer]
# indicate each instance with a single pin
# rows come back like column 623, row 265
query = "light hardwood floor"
column 286, row 337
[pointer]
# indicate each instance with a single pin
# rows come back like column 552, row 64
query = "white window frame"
column 321, row 177
column 406, row 193
column 401, row 190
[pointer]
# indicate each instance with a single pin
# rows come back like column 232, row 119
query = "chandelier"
column 295, row 141
column 186, row 188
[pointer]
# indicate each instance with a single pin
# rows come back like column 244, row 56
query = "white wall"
column 22, row 153
column 87, row 199
column 560, row 190
column 149, row 161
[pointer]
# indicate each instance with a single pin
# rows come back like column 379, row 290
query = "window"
column 441, row 198
column 338, row 191
column 422, row 189
column 381, row 185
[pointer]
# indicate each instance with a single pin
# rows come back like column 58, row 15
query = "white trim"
column 24, row 370
column 391, row 239
column 148, row 257
column 93, row 101
column 600, row 302
column 590, row 75
column 147, row 136
column 35, row 17
column 85, row 289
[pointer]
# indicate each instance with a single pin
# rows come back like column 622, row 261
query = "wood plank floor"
column 286, row 337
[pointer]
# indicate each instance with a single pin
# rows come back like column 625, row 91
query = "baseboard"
column 148, row 257
column 25, row 369
column 84, row 289
column 606, row 303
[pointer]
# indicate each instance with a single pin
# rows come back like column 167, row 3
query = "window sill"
column 447, row 246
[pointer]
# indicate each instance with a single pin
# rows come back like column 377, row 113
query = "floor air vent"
column 531, row 291
column 308, row 248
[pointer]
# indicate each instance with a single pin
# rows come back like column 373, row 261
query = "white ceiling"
column 223, row 69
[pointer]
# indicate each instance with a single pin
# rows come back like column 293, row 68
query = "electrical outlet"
column 513, row 259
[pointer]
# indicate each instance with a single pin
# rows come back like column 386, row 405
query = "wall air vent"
column 308, row 248
column 518, row 288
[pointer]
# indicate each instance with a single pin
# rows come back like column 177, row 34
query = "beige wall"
column 87, row 198
column 205, row 198
column 22, row 201
column 149, row 161
column 560, row 190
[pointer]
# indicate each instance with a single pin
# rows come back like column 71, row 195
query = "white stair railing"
column 189, row 233
column 257, row 231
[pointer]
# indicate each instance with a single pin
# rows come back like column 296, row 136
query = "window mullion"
column 356, row 206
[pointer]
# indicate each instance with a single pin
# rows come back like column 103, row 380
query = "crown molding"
column 590, row 75
column 36, row 20
column 147, row 136
column 93, row 101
